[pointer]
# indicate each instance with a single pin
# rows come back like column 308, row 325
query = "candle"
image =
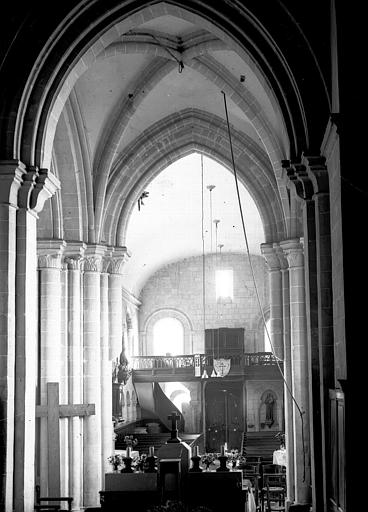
column 128, row 450
column 222, row 450
column 151, row 451
column 196, row 451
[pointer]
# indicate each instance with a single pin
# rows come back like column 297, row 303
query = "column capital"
column 11, row 174
column 93, row 260
column 317, row 172
column 119, row 256
column 294, row 252
column 38, row 185
column 50, row 253
column 73, row 255
column 309, row 176
column 298, row 176
column 269, row 252
column 281, row 256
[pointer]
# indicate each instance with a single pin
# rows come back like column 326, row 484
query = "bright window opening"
column 224, row 284
column 177, row 393
column 168, row 337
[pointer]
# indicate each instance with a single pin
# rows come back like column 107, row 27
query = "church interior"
column 178, row 322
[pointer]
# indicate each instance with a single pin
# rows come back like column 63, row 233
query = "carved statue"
column 270, row 403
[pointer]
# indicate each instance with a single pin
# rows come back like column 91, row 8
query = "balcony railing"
column 188, row 361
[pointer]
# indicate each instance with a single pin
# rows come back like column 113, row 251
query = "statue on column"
column 270, row 403
column 267, row 410
column 123, row 369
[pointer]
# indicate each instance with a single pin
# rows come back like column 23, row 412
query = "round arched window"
column 168, row 337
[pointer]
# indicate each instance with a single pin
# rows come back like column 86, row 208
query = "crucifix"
column 52, row 411
column 174, row 417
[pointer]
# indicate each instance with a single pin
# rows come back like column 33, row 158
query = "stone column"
column 73, row 257
column 11, row 173
column 49, row 265
column 118, row 258
column 38, row 185
column 275, row 278
column 324, row 366
column 293, row 251
column 107, row 445
column 288, row 400
column 311, row 183
column 92, row 470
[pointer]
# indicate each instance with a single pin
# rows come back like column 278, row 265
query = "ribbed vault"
column 175, row 137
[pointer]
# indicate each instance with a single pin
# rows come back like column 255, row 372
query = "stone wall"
column 176, row 290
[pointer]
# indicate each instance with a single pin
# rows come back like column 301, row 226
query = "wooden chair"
column 49, row 506
column 255, row 460
column 250, row 468
column 275, row 499
column 273, row 486
column 268, row 469
column 271, row 468
column 254, row 479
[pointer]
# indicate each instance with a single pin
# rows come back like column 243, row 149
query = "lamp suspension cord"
column 216, row 260
column 203, row 257
column 255, row 284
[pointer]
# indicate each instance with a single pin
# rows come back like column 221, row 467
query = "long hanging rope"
column 216, row 260
column 255, row 284
column 203, row 256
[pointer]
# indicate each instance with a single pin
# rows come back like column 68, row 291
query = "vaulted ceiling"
column 148, row 92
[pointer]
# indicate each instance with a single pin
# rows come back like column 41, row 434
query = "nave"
column 179, row 201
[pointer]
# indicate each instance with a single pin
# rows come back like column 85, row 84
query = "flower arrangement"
column 140, row 463
column 208, row 458
column 233, row 457
column 130, row 441
column 115, row 461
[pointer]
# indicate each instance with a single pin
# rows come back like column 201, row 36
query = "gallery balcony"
column 191, row 367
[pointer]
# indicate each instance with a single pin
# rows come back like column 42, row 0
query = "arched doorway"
column 224, row 415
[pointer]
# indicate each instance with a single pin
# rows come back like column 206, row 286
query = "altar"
column 173, row 475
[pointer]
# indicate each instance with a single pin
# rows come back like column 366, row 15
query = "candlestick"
column 128, row 451
column 151, row 451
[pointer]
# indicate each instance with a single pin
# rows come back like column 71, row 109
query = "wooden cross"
column 174, row 417
column 53, row 411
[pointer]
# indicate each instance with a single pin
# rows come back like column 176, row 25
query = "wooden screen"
column 224, row 341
